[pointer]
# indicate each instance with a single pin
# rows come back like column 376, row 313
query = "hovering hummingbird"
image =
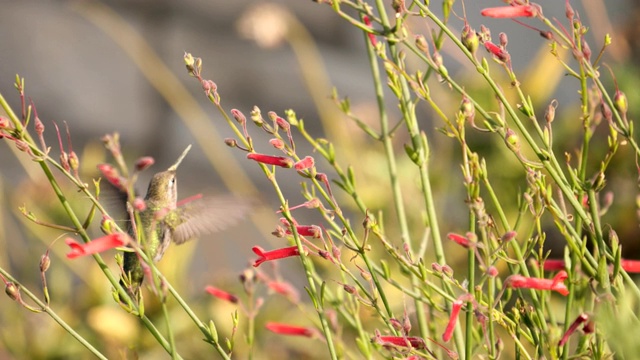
column 163, row 221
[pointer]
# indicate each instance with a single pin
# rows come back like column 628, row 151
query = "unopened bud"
column 13, row 291
column 447, row 270
column 74, row 162
column 492, row 271
column 586, row 50
column 508, row 236
column 139, row 204
column 230, row 142
column 278, row 232
column 45, row 262
column 209, row 86
column 256, row 116
column 144, row 163
column 620, row 102
column 395, row 323
column 239, row 116
column 64, row 161
column 107, row 225
column 22, row 145
column 282, row 123
column 606, row 112
column 550, row 114
column 504, row 40
column 422, row 44
column 467, row 109
column 469, row 39
column 4, row 122
column 512, row 140
column 277, row 143
column 350, row 289
column 39, row 126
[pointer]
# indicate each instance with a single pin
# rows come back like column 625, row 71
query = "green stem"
column 54, row 316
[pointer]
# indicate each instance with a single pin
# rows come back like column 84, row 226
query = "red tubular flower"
column 630, row 266
column 460, row 240
column 95, row 246
column 281, row 161
column 273, row 254
column 372, row 37
column 509, row 12
column 455, row 310
column 284, row 288
column 285, row 329
column 221, row 294
column 581, row 319
column 408, row 341
column 497, row 51
column 555, row 284
column 305, row 163
column 313, row 231
column 553, row 265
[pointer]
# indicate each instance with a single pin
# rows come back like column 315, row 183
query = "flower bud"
column 144, row 163
column 13, row 291
column 512, row 140
column 469, row 39
column 45, row 262
column 620, row 102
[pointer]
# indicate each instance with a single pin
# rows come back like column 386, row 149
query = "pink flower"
column 277, row 143
column 112, row 175
column 281, row 161
column 273, row 254
column 96, row 246
column 555, row 284
column 221, row 294
column 304, row 164
column 455, row 310
column 285, row 329
column 511, row 11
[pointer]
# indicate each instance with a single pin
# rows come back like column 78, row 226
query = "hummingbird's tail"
column 133, row 275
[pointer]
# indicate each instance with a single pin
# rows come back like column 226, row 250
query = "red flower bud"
column 271, row 160
column 285, row 329
column 144, row 163
column 221, row 294
column 511, row 11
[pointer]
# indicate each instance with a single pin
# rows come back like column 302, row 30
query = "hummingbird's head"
column 163, row 190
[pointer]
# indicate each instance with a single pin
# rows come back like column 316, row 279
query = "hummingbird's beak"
column 174, row 167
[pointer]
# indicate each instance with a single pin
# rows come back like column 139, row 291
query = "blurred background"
column 117, row 66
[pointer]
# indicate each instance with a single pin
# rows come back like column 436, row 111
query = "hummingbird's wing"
column 206, row 216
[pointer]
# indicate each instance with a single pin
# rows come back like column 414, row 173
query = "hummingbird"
column 163, row 222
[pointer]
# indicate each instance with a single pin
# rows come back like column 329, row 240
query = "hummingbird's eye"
column 172, row 182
